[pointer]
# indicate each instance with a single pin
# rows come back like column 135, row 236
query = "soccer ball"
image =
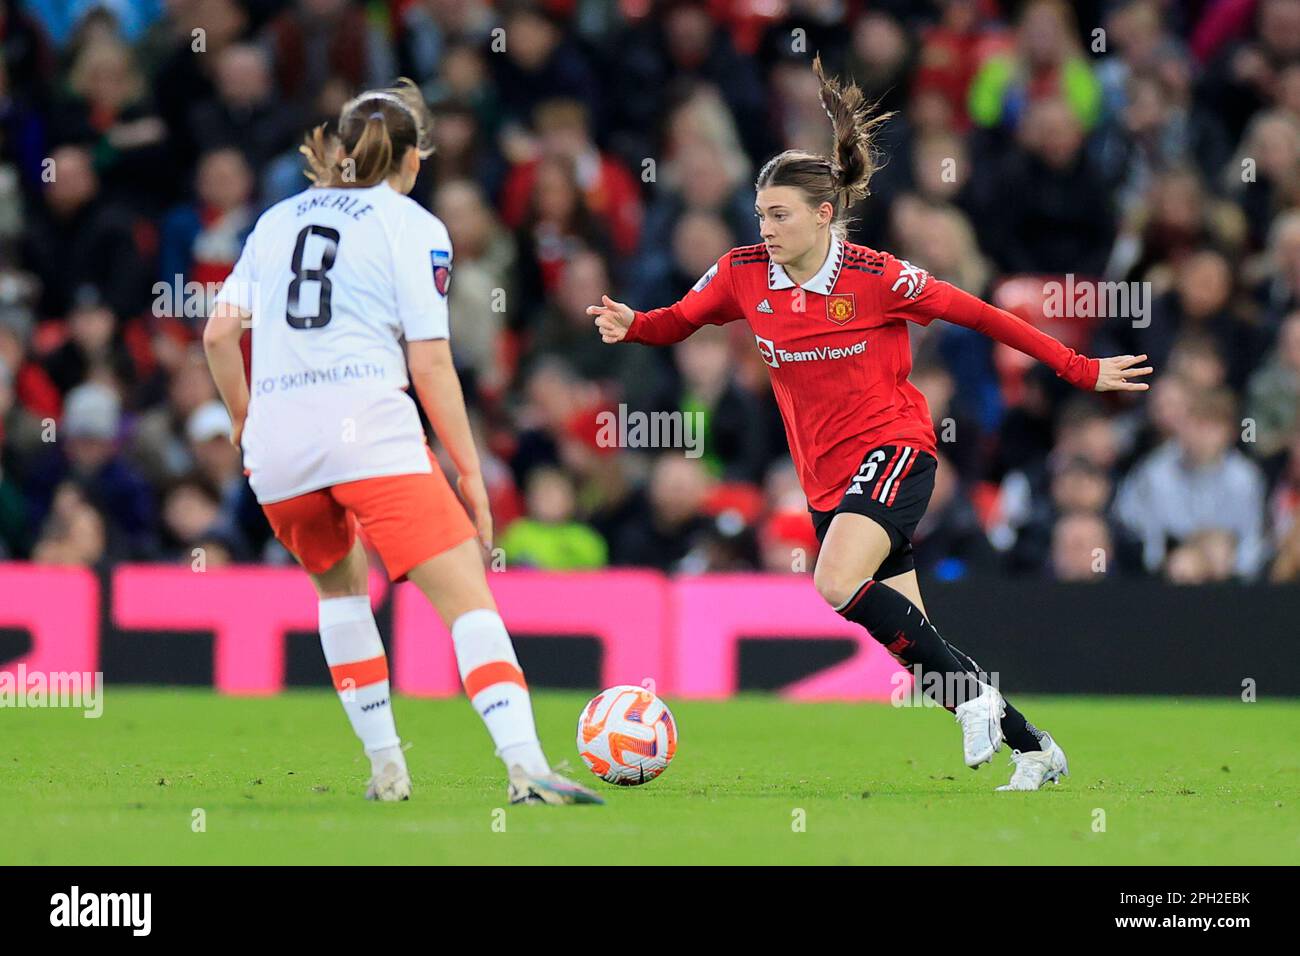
column 627, row 735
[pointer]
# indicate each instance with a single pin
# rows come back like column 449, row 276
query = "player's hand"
column 1116, row 372
column 613, row 319
column 474, row 492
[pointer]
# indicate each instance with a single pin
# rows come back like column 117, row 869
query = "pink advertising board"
column 684, row 633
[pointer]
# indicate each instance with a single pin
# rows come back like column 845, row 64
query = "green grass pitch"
column 756, row 780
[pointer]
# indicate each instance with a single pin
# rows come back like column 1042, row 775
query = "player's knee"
column 834, row 584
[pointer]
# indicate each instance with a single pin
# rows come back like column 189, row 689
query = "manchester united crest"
column 840, row 307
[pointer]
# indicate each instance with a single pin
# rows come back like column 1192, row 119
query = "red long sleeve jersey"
column 838, row 352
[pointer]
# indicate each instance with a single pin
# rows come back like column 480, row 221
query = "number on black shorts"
column 300, row 275
column 866, row 472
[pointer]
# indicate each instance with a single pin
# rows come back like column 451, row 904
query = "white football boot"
column 981, row 726
column 389, row 781
column 550, row 788
column 1035, row 767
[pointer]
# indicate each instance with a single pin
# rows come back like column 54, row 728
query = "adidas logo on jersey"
column 765, row 307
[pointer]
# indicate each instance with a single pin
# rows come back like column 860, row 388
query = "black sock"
column 1019, row 733
column 899, row 625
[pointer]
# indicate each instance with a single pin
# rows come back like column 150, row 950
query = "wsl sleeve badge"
column 705, row 279
column 441, row 260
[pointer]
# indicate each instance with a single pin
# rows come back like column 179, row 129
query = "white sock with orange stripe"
column 357, row 663
column 495, row 685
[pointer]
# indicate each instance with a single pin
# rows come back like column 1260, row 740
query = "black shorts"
column 892, row 487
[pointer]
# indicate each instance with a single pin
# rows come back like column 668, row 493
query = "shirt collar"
column 822, row 283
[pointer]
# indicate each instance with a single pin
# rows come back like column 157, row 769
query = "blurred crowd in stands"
column 590, row 146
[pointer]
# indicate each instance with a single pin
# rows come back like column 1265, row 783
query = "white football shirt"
column 334, row 279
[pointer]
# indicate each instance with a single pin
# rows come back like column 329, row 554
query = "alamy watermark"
column 931, row 688
column 78, row 689
column 1088, row 299
column 636, row 429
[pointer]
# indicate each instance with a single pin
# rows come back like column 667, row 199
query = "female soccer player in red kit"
column 830, row 321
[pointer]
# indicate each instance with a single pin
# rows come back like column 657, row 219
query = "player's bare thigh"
column 854, row 548
column 454, row 581
column 349, row 578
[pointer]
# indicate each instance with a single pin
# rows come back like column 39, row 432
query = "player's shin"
column 900, row 626
column 495, row 685
column 359, row 668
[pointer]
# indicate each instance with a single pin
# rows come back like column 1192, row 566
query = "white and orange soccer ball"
column 627, row 735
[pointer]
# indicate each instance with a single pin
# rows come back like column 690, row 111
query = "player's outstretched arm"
column 613, row 319
column 221, row 343
column 434, row 376
column 1114, row 374
column 709, row 302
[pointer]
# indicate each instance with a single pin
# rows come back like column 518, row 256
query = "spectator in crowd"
column 701, row 177
column 74, row 532
column 558, row 225
column 1081, row 548
column 1177, row 218
column 1265, row 175
column 697, row 240
column 1278, row 288
column 190, row 507
column 540, row 63
column 201, row 240
column 323, row 51
column 1205, row 557
column 36, row 399
column 1198, row 482
column 158, row 444
column 548, row 537
column 1286, row 568
column 95, row 348
column 461, row 150
column 1078, row 487
column 1054, row 210
column 109, row 111
column 1047, row 64
column 13, row 506
column 87, row 453
column 431, row 29
column 1273, row 393
column 733, row 444
column 681, row 45
column 1240, row 79
column 563, row 330
column 247, row 115
column 676, row 523
column 481, row 299
column 79, row 239
column 1084, row 432
column 951, row 54
column 609, row 191
column 1284, row 496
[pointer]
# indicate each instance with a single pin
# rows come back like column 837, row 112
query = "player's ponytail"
column 844, row 177
column 373, row 134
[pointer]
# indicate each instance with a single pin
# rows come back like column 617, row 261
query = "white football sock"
column 357, row 663
column 495, row 685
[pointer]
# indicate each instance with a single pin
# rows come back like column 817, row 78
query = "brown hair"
column 843, row 178
column 374, row 132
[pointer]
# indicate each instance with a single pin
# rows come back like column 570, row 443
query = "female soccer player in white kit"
column 331, row 281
